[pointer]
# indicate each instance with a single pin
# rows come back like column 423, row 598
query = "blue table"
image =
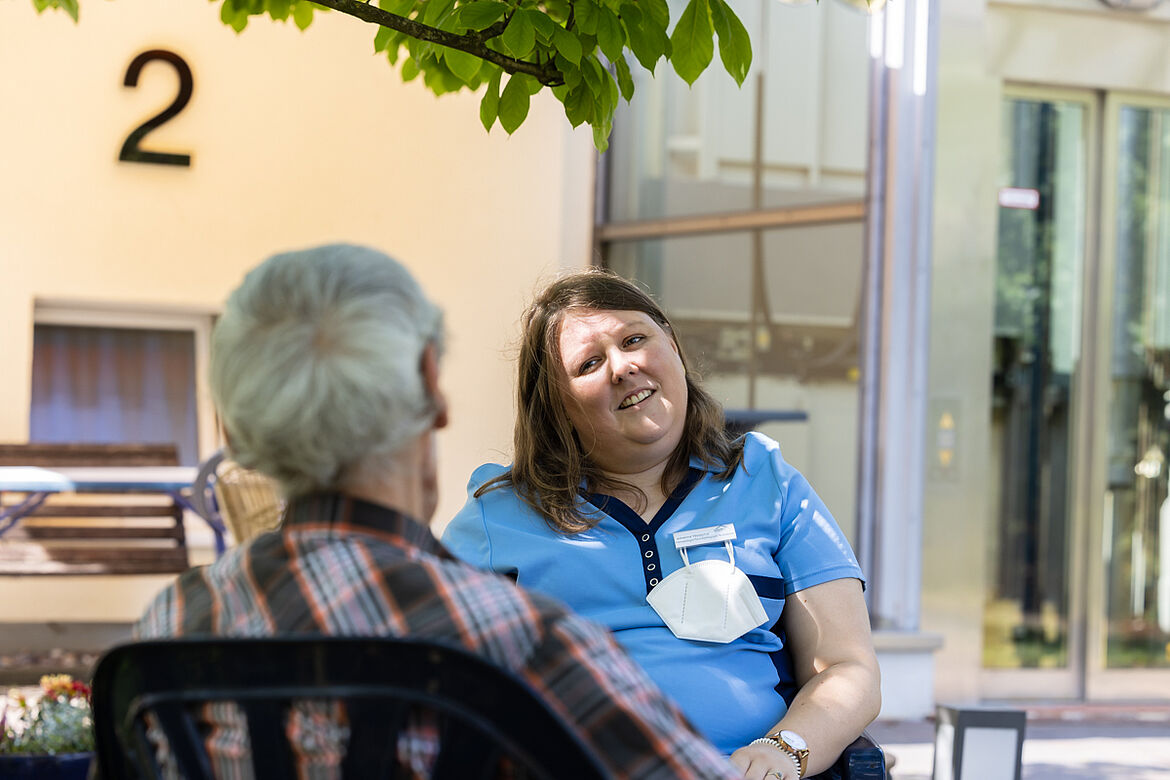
column 38, row 483
column 740, row 421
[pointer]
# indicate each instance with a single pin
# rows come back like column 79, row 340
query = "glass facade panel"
column 1036, row 350
column 679, row 150
column 769, row 319
column 1136, row 532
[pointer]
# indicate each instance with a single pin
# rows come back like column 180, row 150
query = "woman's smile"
column 635, row 398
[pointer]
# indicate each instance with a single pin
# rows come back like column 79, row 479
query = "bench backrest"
column 95, row 533
column 53, row 455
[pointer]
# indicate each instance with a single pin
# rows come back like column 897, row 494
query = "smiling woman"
column 711, row 559
column 557, row 441
column 625, row 388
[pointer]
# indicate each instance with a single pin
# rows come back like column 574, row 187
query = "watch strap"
column 799, row 755
column 784, row 748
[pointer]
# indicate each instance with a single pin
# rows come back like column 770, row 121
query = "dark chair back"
column 862, row 760
column 484, row 714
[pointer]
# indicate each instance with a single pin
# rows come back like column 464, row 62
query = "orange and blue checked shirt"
column 343, row 566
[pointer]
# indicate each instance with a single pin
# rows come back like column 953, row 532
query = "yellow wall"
column 297, row 138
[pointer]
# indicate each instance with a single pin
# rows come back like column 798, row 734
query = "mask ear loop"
column 730, row 551
column 686, row 561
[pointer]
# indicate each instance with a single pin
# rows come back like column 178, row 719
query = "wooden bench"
column 94, row 533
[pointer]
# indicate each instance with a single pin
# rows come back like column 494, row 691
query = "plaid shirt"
column 343, row 566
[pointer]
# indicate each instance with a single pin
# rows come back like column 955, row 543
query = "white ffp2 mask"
column 709, row 601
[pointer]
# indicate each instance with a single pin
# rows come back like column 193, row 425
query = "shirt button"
column 649, row 553
column 654, row 582
column 649, row 567
column 645, row 537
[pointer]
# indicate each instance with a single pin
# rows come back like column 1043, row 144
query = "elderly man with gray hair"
column 325, row 371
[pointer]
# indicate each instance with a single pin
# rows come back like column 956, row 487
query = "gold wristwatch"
column 794, row 745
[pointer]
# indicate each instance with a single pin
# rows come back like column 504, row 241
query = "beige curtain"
column 121, row 385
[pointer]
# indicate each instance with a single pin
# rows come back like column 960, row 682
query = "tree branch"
column 546, row 73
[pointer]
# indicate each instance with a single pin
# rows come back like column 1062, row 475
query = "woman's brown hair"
column 549, row 465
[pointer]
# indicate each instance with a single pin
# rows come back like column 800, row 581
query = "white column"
column 896, row 327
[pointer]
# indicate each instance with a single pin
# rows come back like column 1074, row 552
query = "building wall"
column 983, row 47
column 955, row 508
column 297, row 138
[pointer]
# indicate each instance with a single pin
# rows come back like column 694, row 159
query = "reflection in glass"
column 811, row 284
column 801, row 357
column 769, row 316
column 1137, row 523
column 866, row 6
column 1037, row 331
column 682, row 150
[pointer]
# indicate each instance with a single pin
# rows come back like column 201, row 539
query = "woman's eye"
column 632, row 340
column 587, row 366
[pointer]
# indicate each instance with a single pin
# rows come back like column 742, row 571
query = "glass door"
column 1129, row 637
column 1032, row 635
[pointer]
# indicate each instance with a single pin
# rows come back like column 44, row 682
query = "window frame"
column 138, row 316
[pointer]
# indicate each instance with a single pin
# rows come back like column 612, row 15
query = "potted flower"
column 49, row 737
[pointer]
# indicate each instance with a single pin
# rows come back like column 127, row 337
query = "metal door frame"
column 1069, row 682
column 1103, row 683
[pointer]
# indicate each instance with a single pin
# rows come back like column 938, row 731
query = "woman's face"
column 626, row 391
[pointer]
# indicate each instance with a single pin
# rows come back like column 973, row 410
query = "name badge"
column 715, row 533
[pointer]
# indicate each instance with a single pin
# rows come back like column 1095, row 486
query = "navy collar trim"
column 620, row 511
column 645, row 533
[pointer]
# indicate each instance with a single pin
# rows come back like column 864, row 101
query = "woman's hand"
column 764, row 762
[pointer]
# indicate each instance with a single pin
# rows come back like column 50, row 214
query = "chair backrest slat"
column 145, row 762
column 174, row 720
column 465, row 747
column 375, row 726
column 272, row 756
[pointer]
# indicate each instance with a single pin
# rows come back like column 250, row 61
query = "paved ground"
column 1096, row 749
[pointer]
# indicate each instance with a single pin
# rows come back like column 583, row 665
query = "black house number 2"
column 132, row 150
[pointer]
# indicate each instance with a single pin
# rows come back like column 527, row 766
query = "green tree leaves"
column 578, row 49
column 519, row 36
column 476, row 16
column 514, row 103
column 68, row 6
column 463, row 65
column 645, row 33
column 735, row 46
column 692, row 42
column 692, row 45
column 610, row 36
column 489, row 107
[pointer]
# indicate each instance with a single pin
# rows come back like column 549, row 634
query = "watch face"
column 794, row 739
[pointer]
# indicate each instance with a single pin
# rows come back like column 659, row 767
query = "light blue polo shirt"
column 786, row 541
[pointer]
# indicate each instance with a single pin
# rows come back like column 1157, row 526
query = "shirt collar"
column 697, row 463
column 339, row 513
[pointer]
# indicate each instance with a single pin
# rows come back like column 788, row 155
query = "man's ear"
column 430, row 375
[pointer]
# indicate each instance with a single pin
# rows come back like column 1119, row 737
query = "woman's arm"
column 827, row 628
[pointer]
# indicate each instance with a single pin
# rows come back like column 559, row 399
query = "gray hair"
column 316, row 364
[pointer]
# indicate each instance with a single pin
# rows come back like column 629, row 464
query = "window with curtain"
column 114, row 385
